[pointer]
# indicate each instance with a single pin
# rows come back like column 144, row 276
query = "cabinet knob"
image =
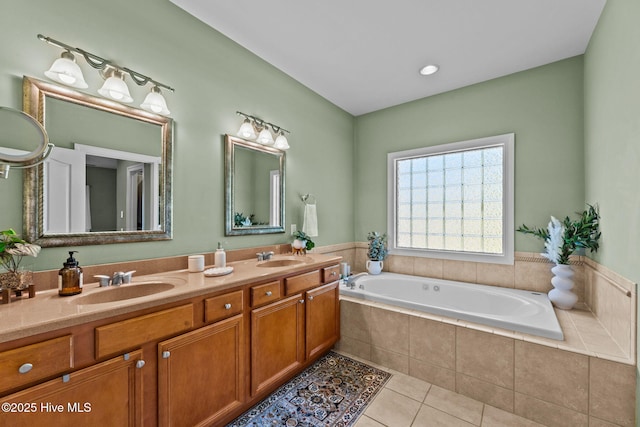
column 268, row 293
column 333, row 273
column 310, row 297
column 227, row 306
column 166, row 354
column 140, row 364
column 301, row 301
column 25, row 368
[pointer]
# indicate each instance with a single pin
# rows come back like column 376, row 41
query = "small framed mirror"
column 23, row 140
column 254, row 188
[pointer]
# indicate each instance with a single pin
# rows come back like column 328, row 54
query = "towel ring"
column 306, row 197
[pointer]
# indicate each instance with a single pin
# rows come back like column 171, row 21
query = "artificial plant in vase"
column 12, row 250
column 561, row 239
column 377, row 252
column 302, row 242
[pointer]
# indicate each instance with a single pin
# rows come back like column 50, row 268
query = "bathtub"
column 513, row 309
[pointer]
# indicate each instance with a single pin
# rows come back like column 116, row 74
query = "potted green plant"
column 561, row 240
column 302, row 242
column 377, row 252
column 12, row 250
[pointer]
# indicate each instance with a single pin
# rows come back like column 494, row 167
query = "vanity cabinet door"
column 106, row 394
column 277, row 342
column 201, row 374
column 322, row 319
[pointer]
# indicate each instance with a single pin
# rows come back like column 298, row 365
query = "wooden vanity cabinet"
column 322, row 319
column 106, row 394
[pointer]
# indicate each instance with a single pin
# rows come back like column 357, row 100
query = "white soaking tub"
column 513, row 309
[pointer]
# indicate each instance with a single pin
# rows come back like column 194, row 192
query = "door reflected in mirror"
column 255, row 178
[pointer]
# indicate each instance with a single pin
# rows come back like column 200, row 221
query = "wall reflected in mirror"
column 108, row 178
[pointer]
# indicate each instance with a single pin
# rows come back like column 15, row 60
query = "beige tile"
column 533, row 276
column 455, row 404
column 409, row 386
column 552, row 375
column 547, row 413
column 431, row 417
column 365, row 421
column 400, row 264
column 395, row 361
column 355, row 319
column 485, row 356
column 494, row 417
column 485, row 392
column 355, row 347
column 432, row 341
column 595, row 422
column 612, row 387
column 392, row 409
column 496, row 274
column 428, row 267
column 433, row 374
column 462, row 271
column 390, row 330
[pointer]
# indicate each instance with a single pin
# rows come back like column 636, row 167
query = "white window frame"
column 507, row 142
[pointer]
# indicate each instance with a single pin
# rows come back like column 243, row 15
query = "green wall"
column 612, row 137
column 213, row 78
column 542, row 106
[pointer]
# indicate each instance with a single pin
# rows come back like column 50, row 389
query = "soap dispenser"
column 220, row 257
column 70, row 277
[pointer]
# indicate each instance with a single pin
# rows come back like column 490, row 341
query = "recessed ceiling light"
column 429, row 69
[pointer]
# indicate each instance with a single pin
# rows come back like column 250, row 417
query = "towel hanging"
column 310, row 222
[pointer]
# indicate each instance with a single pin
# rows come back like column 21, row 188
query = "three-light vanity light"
column 65, row 70
column 257, row 129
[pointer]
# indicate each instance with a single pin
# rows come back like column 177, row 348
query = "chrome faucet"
column 118, row 278
column 264, row 256
column 350, row 281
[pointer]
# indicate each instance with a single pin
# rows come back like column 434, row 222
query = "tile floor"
column 409, row 402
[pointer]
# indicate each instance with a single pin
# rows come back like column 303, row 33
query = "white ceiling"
column 364, row 55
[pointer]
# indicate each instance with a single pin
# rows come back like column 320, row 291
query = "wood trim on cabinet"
column 130, row 333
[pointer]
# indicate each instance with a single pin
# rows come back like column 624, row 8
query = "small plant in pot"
column 377, row 252
column 561, row 239
column 302, row 243
column 12, row 251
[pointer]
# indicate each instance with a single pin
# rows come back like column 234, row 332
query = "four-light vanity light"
column 65, row 70
column 257, row 129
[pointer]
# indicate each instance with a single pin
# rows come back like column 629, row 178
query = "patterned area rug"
column 334, row 391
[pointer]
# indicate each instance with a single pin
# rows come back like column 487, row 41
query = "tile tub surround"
column 545, row 381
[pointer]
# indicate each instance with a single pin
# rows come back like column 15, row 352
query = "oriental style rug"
column 333, row 392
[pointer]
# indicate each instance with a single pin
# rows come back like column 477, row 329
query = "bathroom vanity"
column 175, row 348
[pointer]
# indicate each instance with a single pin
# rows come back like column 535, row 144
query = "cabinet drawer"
column 265, row 293
column 301, row 282
column 330, row 274
column 47, row 358
column 130, row 333
column 223, row 306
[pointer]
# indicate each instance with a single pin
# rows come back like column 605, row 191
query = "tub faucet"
column 350, row 281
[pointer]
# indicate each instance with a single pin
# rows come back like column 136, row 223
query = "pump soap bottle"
column 70, row 277
column 220, row 257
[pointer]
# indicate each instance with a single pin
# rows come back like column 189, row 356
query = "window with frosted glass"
column 453, row 198
column 451, row 201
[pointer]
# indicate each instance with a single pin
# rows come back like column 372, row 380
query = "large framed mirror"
column 254, row 188
column 108, row 178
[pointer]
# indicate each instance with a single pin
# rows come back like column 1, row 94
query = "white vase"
column 374, row 267
column 562, row 281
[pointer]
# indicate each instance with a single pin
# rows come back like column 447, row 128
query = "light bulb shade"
column 65, row 70
column 246, row 130
column 155, row 102
column 115, row 88
column 281, row 142
column 265, row 137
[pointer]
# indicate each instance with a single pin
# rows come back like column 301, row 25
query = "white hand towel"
column 310, row 224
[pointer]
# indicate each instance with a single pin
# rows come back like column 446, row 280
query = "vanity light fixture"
column 428, row 70
column 257, row 129
column 66, row 71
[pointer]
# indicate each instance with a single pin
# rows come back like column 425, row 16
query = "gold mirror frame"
column 35, row 94
column 231, row 142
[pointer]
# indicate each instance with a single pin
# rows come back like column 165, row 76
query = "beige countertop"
column 48, row 311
